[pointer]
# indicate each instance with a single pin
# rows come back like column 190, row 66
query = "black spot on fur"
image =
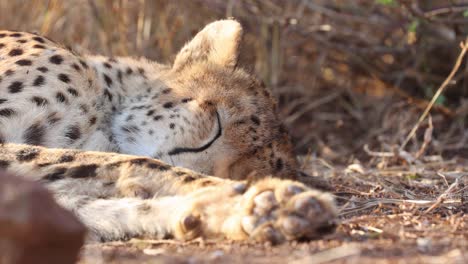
column 2, row 35
column 76, row 67
column 27, row 154
column 4, row 164
column 108, row 94
column 61, row 98
column 166, row 91
column 150, row 112
column 189, row 178
column 180, row 173
column 39, row 80
column 255, row 120
column 138, row 161
column 2, row 45
column 158, row 117
column 279, row 164
column 64, row 78
column 119, row 76
column 15, row 52
column 72, row 92
column 168, row 105
column 83, row 171
column 39, row 39
column 45, row 164
column 186, row 100
column 2, row 100
column 42, row 69
column 40, row 101
column 9, row 72
column 15, row 87
column 129, row 71
column 92, row 120
column 39, row 46
column 24, row 62
column 84, row 64
column 34, row 134
column 7, row 112
column 16, row 35
column 66, row 158
column 73, row 132
column 107, row 65
column 155, row 165
column 172, row 125
column 58, row 174
column 84, row 108
column 107, row 79
column 53, row 118
column 22, row 41
column 56, row 59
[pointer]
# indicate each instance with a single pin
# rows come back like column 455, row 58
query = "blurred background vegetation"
column 346, row 73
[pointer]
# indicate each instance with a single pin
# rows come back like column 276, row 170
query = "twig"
column 427, row 138
column 464, row 47
column 445, row 10
column 442, row 197
column 370, row 203
column 397, row 153
column 378, row 154
column 443, row 177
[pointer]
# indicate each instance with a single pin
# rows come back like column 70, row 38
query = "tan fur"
column 202, row 116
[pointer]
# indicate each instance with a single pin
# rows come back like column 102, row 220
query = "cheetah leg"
column 100, row 174
column 270, row 210
column 110, row 192
column 124, row 218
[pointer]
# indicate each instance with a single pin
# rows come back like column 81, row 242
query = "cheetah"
column 135, row 148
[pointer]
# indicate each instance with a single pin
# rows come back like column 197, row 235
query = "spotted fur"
column 127, row 144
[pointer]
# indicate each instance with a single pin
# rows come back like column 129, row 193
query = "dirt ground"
column 400, row 214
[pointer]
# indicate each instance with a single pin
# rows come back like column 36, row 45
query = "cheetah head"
column 224, row 120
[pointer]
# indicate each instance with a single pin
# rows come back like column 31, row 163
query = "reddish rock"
column 33, row 227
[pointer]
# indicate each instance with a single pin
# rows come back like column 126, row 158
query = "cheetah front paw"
column 271, row 210
column 285, row 210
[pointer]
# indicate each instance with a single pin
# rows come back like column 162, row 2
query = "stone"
column 33, row 227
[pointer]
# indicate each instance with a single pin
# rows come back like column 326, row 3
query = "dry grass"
column 352, row 79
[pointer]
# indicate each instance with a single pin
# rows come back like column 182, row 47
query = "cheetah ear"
column 217, row 43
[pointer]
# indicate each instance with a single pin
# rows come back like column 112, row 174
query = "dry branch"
column 464, row 48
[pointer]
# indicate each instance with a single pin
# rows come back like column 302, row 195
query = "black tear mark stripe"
column 177, row 151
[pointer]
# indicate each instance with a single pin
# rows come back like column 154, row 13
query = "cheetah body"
column 127, row 143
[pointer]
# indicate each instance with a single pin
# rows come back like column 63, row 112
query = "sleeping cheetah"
column 128, row 144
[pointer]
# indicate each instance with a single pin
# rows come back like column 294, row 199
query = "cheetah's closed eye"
column 128, row 144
